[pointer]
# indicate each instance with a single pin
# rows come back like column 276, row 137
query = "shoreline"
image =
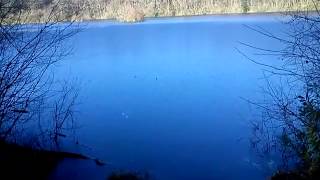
column 186, row 18
column 22, row 162
column 209, row 16
column 191, row 19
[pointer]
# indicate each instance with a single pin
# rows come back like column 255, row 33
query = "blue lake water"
column 165, row 97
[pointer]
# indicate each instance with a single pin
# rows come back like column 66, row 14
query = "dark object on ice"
column 22, row 111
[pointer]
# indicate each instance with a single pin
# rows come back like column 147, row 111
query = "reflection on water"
column 166, row 98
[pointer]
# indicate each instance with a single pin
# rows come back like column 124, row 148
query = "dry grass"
column 129, row 14
column 136, row 10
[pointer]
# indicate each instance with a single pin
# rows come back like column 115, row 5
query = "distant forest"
column 135, row 10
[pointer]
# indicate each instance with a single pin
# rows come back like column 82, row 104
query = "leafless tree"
column 290, row 125
column 27, row 52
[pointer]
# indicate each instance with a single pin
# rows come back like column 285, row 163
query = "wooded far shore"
column 137, row 10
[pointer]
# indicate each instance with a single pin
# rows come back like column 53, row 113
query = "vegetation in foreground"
column 136, row 10
column 128, row 176
column 295, row 175
column 19, row 162
column 32, row 101
column 35, row 109
column 290, row 123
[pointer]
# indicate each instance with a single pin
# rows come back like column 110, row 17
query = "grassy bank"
column 136, row 10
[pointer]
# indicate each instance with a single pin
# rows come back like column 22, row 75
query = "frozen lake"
column 165, row 97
